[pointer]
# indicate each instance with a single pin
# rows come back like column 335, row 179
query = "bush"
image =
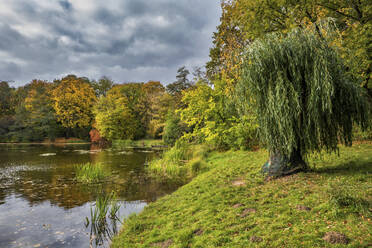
column 173, row 129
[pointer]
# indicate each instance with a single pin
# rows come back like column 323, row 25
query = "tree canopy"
column 304, row 99
column 243, row 21
column 73, row 102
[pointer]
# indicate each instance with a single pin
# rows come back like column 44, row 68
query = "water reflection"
column 42, row 203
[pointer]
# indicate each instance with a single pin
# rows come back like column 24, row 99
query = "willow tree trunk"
column 280, row 165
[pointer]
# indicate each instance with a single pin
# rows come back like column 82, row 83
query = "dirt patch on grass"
column 303, row 208
column 248, row 211
column 238, row 205
column 198, row 232
column 164, row 244
column 239, row 183
column 288, row 178
column 336, row 238
column 359, row 142
column 256, row 239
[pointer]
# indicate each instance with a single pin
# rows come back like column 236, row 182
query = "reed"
column 114, row 208
column 90, row 173
column 104, row 217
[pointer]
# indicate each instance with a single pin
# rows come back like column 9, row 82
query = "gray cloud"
column 128, row 40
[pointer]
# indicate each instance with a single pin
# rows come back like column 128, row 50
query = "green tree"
column 304, row 100
column 113, row 118
column 136, row 103
column 41, row 117
column 181, row 84
column 103, row 85
column 7, row 110
column 212, row 118
column 6, row 93
column 174, row 128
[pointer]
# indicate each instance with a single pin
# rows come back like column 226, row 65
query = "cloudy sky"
column 127, row 40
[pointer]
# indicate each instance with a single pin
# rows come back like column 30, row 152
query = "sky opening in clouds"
column 127, row 40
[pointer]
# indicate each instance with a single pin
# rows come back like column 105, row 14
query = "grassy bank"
column 144, row 143
column 181, row 162
column 232, row 206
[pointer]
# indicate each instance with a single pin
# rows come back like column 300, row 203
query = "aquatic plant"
column 90, row 173
column 104, row 215
column 114, row 208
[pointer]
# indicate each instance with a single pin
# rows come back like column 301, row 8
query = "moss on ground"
column 233, row 206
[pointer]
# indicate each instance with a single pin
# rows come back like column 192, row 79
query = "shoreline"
column 233, row 198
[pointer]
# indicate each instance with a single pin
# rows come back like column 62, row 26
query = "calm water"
column 42, row 205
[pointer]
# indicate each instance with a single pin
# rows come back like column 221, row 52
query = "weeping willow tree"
column 303, row 99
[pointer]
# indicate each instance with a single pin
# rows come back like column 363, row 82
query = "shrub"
column 173, row 129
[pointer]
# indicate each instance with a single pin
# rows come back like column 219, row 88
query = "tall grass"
column 144, row 143
column 90, row 173
column 182, row 161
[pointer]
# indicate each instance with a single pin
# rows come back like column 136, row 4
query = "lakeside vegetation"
column 293, row 77
column 293, row 88
column 103, row 219
column 91, row 173
column 181, row 162
column 232, row 205
column 142, row 143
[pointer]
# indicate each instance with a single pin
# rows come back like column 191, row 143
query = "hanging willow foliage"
column 303, row 98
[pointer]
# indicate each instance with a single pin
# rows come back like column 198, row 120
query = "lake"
column 43, row 205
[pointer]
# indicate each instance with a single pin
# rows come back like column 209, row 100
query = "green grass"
column 209, row 211
column 90, row 173
column 181, row 162
column 144, row 143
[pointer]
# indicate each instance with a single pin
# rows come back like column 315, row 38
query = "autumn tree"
column 243, row 21
column 73, row 102
column 155, row 98
column 305, row 101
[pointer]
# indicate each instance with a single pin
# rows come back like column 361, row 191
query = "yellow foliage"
column 73, row 102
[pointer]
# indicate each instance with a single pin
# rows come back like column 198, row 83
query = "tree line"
column 217, row 106
column 76, row 106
